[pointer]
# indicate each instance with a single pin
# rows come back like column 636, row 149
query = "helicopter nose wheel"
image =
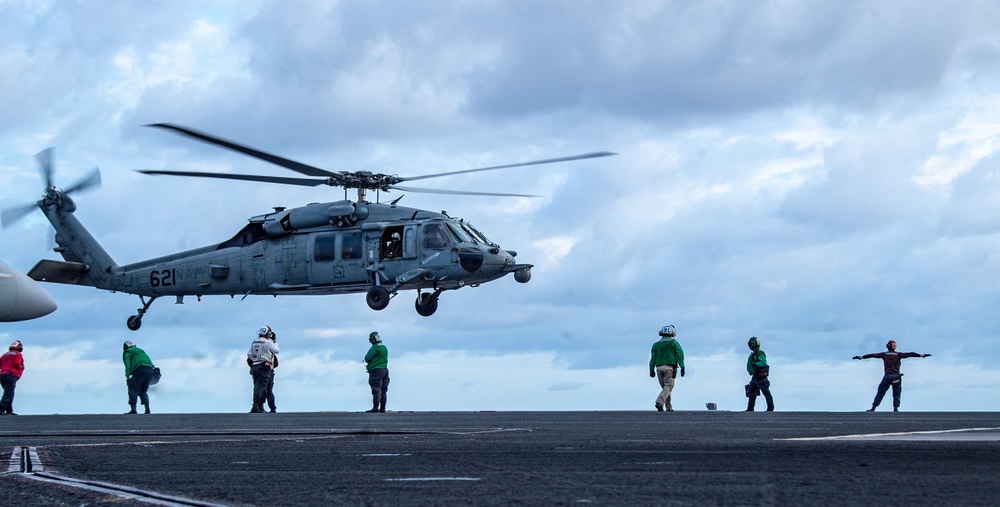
column 426, row 304
column 378, row 297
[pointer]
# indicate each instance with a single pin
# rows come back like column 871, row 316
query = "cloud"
column 822, row 176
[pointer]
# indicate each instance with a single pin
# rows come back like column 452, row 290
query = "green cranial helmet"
column 373, row 337
column 753, row 343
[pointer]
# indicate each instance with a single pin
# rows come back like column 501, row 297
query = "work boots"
column 132, row 411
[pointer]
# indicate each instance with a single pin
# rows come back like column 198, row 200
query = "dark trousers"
column 378, row 379
column 261, row 377
column 758, row 386
column 896, row 381
column 138, row 385
column 269, row 395
column 9, row 382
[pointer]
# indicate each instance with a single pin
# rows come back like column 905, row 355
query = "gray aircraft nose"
column 21, row 298
column 483, row 261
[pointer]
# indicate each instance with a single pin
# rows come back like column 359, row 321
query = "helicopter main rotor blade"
column 298, row 167
column 91, row 180
column 456, row 192
column 243, row 177
column 508, row 166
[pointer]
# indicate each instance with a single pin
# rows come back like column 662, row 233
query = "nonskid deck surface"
column 436, row 458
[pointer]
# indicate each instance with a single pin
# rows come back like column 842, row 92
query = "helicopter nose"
column 471, row 258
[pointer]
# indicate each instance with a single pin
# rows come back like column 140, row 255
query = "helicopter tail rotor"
column 93, row 179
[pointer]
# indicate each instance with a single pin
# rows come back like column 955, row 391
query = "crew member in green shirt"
column 138, row 373
column 377, row 364
column 665, row 358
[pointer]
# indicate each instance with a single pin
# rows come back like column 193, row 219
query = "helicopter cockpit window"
column 352, row 246
column 436, row 236
column 476, row 234
column 460, row 233
column 324, row 250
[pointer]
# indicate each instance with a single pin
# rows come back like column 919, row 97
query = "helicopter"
column 338, row 247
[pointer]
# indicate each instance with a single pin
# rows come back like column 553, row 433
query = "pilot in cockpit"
column 434, row 236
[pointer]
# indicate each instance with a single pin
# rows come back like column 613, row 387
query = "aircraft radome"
column 334, row 247
column 21, row 298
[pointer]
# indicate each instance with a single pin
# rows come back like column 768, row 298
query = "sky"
column 822, row 175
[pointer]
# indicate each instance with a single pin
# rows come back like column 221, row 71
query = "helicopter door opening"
column 396, row 243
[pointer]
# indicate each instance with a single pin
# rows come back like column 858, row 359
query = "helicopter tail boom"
column 87, row 263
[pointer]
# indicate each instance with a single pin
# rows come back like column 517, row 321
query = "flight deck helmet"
column 16, row 345
column 890, row 345
column 265, row 332
column 374, row 338
column 753, row 343
column 128, row 344
column 668, row 331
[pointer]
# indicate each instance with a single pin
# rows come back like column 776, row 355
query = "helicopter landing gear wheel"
column 378, row 298
column 426, row 304
column 134, row 322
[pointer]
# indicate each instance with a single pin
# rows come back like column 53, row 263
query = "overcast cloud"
column 822, row 175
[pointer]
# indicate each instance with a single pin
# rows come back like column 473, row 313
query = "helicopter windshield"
column 460, row 233
column 480, row 237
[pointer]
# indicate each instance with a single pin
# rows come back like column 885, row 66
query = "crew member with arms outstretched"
column 892, row 377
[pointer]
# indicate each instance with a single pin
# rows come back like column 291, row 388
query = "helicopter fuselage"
column 268, row 258
column 321, row 248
